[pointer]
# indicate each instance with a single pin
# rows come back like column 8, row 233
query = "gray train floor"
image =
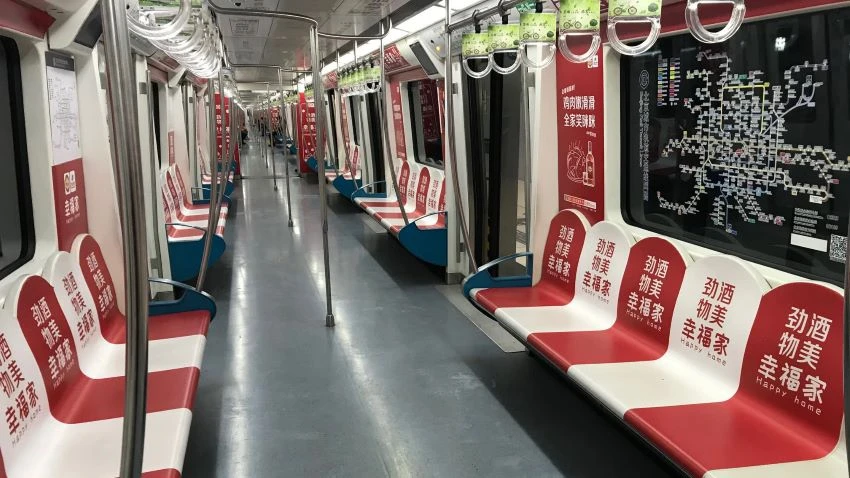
column 404, row 385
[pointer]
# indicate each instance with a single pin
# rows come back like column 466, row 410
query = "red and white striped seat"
column 784, row 414
column 598, row 278
column 180, row 230
column 61, row 422
column 192, row 211
column 650, row 286
column 402, row 171
column 98, row 357
column 345, row 172
column 703, row 359
column 556, row 287
column 408, row 179
column 97, row 277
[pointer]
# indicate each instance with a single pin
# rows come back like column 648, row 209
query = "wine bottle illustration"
column 589, row 173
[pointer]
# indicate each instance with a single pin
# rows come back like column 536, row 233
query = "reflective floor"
column 404, row 385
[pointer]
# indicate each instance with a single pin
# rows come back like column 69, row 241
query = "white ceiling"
column 254, row 40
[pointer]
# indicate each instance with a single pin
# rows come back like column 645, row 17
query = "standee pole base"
column 329, row 320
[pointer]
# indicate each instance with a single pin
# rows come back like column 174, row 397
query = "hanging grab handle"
column 476, row 46
column 739, row 11
column 538, row 30
column 634, row 12
column 150, row 30
column 579, row 18
column 504, row 38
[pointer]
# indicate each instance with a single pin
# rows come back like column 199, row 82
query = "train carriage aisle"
column 421, row 238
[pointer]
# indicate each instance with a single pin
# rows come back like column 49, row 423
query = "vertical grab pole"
column 271, row 136
column 338, row 98
column 320, row 159
column 382, row 113
column 205, row 257
column 282, row 135
column 526, row 147
column 127, row 159
column 450, row 137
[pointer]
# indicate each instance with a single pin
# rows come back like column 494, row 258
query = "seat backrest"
column 23, row 399
column 408, row 189
column 651, row 283
column 34, row 306
column 185, row 195
column 402, row 178
column 564, row 243
column 713, row 317
column 174, row 194
column 64, row 274
column 97, row 278
column 600, row 269
column 793, row 364
column 422, row 188
column 435, row 191
column 355, row 159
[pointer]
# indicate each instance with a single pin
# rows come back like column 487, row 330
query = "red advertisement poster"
column 171, row 155
column 393, row 60
column 581, row 182
column 222, row 125
column 344, row 117
column 398, row 121
column 430, row 110
column 306, row 132
column 69, row 191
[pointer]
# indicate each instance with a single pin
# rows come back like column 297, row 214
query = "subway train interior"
column 422, row 238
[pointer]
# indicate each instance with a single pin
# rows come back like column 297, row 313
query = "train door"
column 497, row 178
column 150, row 121
column 362, row 136
column 376, row 149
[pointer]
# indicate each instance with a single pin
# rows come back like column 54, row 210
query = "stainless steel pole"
column 205, row 257
column 153, row 171
column 450, row 137
column 382, row 115
column 320, row 159
column 127, row 160
column 526, row 146
column 339, row 105
column 285, row 158
column 271, row 136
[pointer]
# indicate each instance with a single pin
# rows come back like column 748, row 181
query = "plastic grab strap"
column 476, row 46
column 739, row 11
column 504, row 39
column 634, row 11
column 160, row 32
column 538, row 29
column 579, row 18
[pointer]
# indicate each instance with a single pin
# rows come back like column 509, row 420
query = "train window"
column 423, row 101
column 157, row 121
column 743, row 146
column 17, row 233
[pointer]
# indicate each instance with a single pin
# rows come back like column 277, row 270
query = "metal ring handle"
column 494, row 65
column 477, row 74
column 739, row 11
column 622, row 48
column 529, row 63
column 595, row 41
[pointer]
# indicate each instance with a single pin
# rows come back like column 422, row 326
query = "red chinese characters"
column 595, row 281
column 644, row 304
column 557, row 264
column 704, row 330
column 794, row 365
column 82, row 310
column 105, row 296
column 20, row 399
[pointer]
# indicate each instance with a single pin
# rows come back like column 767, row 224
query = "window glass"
column 354, row 117
column 17, row 236
column 743, row 146
column 424, row 106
